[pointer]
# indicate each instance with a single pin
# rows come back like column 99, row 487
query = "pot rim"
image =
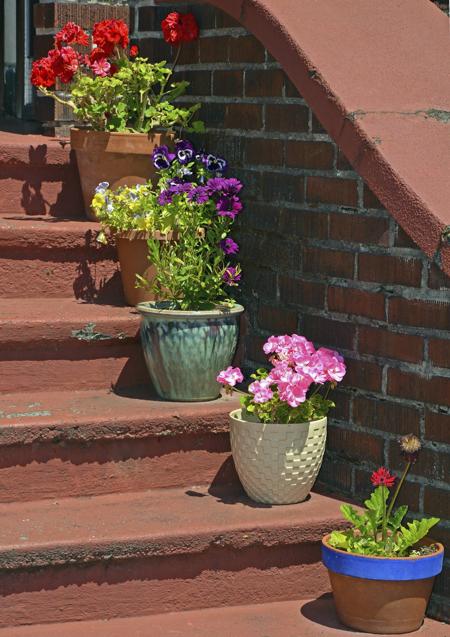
column 149, row 135
column 381, row 557
column 132, row 235
column 233, row 413
column 220, row 311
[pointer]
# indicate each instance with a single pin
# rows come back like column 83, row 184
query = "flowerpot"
column 185, row 351
column 132, row 249
column 118, row 158
column 381, row 594
column 276, row 463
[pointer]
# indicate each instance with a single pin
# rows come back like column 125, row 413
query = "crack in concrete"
column 434, row 113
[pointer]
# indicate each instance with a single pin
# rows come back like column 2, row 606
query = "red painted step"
column 307, row 618
column 62, row 444
column 38, row 176
column 157, row 551
column 56, row 258
column 42, row 345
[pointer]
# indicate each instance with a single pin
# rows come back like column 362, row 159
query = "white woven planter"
column 277, row 464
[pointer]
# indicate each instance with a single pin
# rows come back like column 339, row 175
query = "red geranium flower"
column 179, row 27
column 42, row 73
column 109, row 34
column 64, row 63
column 134, row 51
column 71, row 33
column 382, row 477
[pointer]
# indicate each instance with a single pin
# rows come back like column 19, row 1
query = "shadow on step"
column 322, row 611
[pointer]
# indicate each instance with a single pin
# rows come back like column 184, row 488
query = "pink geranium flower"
column 101, row 67
column 333, row 364
column 230, row 376
column 261, row 390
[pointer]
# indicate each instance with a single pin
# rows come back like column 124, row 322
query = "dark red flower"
column 71, row 33
column 179, row 27
column 109, row 34
column 42, row 73
column 95, row 56
column 134, row 51
column 64, row 63
column 382, row 477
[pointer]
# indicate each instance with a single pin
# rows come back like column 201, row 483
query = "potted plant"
column 278, row 436
column 382, row 570
column 190, row 332
column 122, row 100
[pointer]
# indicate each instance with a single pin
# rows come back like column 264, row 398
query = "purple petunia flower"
column 228, row 206
column 165, row 198
column 180, row 188
column 224, row 186
column 185, row 151
column 200, row 194
column 229, row 246
column 231, row 276
column 162, row 158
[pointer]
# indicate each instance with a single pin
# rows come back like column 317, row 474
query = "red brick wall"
column 322, row 257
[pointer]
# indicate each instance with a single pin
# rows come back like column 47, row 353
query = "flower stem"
column 397, row 490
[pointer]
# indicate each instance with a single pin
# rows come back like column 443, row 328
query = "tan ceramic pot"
column 276, row 463
column 133, row 258
column 381, row 595
column 118, row 158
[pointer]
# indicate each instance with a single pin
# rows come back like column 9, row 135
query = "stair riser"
column 55, row 470
column 219, row 576
column 80, row 366
column 80, row 277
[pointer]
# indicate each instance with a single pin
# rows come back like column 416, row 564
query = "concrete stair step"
column 157, row 551
column 45, row 256
column 38, row 176
column 62, row 444
column 306, row 618
column 66, row 344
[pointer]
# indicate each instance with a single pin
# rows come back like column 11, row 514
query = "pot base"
column 380, row 606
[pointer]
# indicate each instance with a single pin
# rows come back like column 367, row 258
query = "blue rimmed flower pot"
column 381, row 594
column 185, row 350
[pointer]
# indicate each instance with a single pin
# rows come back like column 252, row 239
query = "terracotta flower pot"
column 276, row 463
column 185, row 351
column 118, row 158
column 381, row 594
column 133, row 258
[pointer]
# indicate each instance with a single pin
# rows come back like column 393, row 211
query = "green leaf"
column 414, row 532
column 397, row 516
column 339, row 540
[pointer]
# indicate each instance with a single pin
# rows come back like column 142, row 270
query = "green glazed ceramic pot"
column 185, row 351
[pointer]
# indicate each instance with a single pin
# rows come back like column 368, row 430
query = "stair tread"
column 46, row 232
column 152, row 523
column 25, row 319
column 306, row 618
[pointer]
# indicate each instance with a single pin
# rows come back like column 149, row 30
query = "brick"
column 41, row 45
column 243, row 116
column 437, row 427
column 428, row 390
column 230, row 83
column 259, row 282
column 298, row 292
column 439, row 352
column 199, row 82
column 432, row 314
column 290, row 90
column 287, row 118
column 353, row 301
column 359, row 229
column 328, row 262
column 410, row 490
column 304, row 223
column 317, row 126
column 341, row 192
column 262, row 217
column 380, row 342
column 362, row 375
column 369, row 199
column 190, row 53
column 430, row 463
column 436, row 502
column 335, row 474
column 246, row 49
column 204, row 14
column 44, row 16
column 402, row 240
column 377, row 413
column 281, row 187
column 342, row 402
column 264, row 151
column 264, row 83
column 252, row 180
column 278, row 320
column 313, row 155
column 225, row 21
column 254, row 349
column 437, row 280
column 382, row 268
column 355, row 446
column 342, row 161
column 214, row 49
column 328, row 332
